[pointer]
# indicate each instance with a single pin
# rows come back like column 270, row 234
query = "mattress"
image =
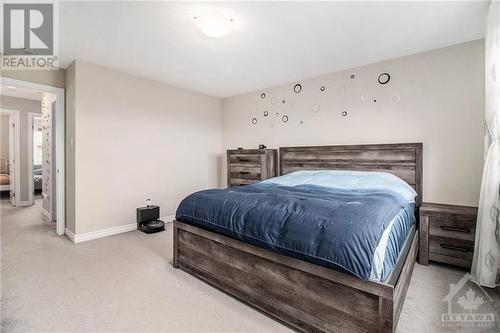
column 352, row 222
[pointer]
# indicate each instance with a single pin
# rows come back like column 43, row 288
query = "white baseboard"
column 78, row 238
column 46, row 214
column 24, row 203
column 69, row 234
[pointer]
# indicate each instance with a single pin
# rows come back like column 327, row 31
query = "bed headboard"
column 401, row 159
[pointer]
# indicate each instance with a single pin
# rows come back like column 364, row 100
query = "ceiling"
column 273, row 42
column 35, row 95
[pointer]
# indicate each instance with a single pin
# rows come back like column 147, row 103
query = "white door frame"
column 17, row 152
column 31, row 187
column 59, row 141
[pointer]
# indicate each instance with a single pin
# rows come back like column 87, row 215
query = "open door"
column 12, row 159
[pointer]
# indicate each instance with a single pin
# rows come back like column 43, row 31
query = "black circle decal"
column 322, row 88
column 384, row 78
column 352, row 76
column 266, row 113
column 297, row 88
column 344, row 113
column 283, row 101
column 254, row 121
column 263, row 95
column 284, row 118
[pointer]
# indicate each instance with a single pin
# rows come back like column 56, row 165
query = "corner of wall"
column 70, row 147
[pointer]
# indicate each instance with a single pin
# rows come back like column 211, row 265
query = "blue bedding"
column 331, row 226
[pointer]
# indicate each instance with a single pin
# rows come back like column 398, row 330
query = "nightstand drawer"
column 463, row 229
column 245, row 169
column 241, row 182
column 451, row 247
column 246, row 175
column 245, row 160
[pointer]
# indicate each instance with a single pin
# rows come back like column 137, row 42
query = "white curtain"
column 486, row 263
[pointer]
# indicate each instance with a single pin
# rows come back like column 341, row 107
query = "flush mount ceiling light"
column 214, row 23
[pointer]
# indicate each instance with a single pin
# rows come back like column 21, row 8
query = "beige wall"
column 436, row 97
column 55, row 78
column 136, row 139
column 24, row 106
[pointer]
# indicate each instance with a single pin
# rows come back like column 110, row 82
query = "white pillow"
column 349, row 180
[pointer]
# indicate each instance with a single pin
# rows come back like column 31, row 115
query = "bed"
column 4, row 182
column 4, row 174
column 307, row 290
column 37, row 178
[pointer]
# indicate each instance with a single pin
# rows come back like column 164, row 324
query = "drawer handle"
column 464, row 230
column 244, row 160
column 454, row 247
column 245, row 172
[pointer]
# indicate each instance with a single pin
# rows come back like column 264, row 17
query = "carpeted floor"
column 126, row 283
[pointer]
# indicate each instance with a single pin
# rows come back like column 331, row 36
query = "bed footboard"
column 308, row 297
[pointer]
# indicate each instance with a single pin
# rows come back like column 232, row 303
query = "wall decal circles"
column 323, row 88
column 283, row 102
column 284, row 118
column 316, row 108
column 297, row 88
column 396, row 98
column 344, row 114
column 384, row 78
column 266, row 113
column 364, row 97
column 352, row 76
column 254, row 121
column 263, row 95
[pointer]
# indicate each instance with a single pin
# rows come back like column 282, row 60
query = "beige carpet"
column 126, row 283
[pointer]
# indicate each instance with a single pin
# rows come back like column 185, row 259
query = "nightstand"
column 248, row 166
column 447, row 234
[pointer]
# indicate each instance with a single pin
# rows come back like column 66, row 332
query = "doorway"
column 44, row 130
column 35, row 151
column 10, row 155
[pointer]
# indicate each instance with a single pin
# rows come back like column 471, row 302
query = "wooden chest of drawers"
column 447, row 234
column 248, row 166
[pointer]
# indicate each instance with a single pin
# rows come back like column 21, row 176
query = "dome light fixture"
column 214, row 23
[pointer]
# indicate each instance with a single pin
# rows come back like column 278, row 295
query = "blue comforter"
column 333, row 227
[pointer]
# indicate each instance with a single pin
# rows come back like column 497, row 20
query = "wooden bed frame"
column 309, row 297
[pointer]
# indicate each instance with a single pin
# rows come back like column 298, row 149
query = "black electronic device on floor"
column 148, row 219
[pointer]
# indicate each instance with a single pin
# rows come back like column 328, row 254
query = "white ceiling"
column 35, row 95
column 273, row 42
